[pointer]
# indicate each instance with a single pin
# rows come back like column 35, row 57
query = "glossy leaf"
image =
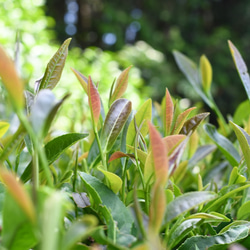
column 17, row 191
column 206, row 73
column 191, row 124
column 114, row 181
column 159, row 154
column 54, row 149
column 11, row 80
column 204, row 242
column 94, row 102
column 181, row 120
column 114, row 122
column 244, row 140
column 55, row 67
column 168, row 113
column 225, row 146
column 4, row 126
column 186, row 202
column 189, row 69
column 241, row 67
column 82, row 79
column 104, row 197
column 120, row 86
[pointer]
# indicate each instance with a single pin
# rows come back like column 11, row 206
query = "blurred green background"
column 109, row 36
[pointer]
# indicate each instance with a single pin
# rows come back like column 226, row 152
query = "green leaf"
column 142, row 116
column 82, row 79
column 103, row 197
column 114, row 181
column 216, row 242
column 55, row 67
column 189, row 69
column 240, row 114
column 54, row 149
column 241, row 67
column 187, row 202
column 236, row 177
column 244, row 140
column 114, row 122
column 206, row 73
column 121, row 85
column 225, row 146
column 244, row 211
column 193, row 123
column 4, row 126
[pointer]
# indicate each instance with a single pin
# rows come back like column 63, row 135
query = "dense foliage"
column 154, row 177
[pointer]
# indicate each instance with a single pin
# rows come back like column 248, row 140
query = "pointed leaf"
column 225, row 146
column 18, row 192
column 114, row 122
column 121, row 85
column 55, row 67
column 119, row 154
column 206, row 73
column 181, row 120
column 159, row 154
column 193, row 123
column 94, row 101
column 54, row 149
column 82, row 79
column 244, row 140
column 241, row 67
column 11, row 81
column 4, row 126
column 168, row 113
column 186, row 202
column 172, row 141
column 141, row 117
column 114, row 181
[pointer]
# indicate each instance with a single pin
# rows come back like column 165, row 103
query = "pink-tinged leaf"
column 82, row 79
column 121, row 85
column 119, row 154
column 241, row 67
column 181, row 120
column 172, row 141
column 168, row 113
column 94, row 102
column 159, row 153
column 17, row 191
column 11, row 81
column 142, row 156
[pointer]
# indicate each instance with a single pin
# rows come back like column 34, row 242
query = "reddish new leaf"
column 94, row 102
column 119, row 154
column 169, row 113
column 172, row 141
column 82, row 79
column 159, row 153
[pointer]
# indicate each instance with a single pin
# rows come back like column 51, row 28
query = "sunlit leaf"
column 168, row 114
column 4, row 126
column 82, row 79
column 236, row 177
column 114, row 122
column 55, row 67
column 172, row 141
column 241, row 67
column 206, row 73
column 94, row 101
column 120, row 86
column 11, row 80
column 225, row 146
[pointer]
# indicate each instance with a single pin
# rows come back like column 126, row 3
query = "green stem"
column 124, row 170
column 103, row 155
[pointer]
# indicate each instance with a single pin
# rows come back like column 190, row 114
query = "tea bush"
column 154, row 177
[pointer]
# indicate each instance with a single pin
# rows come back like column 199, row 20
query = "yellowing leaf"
column 11, row 81
column 3, row 128
column 16, row 189
column 206, row 73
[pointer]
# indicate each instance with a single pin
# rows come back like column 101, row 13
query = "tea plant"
column 152, row 178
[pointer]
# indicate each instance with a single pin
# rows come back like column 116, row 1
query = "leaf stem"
column 103, row 155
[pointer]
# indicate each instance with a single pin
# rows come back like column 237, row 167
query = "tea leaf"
column 206, row 73
column 114, row 181
column 168, row 113
column 11, row 80
column 17, row 191
column 94, row 102
column 121, row 85
column 82, row 79
column 193, row 123
column 55, row 67
column 225, row 146
column 172, row 141
column 241, row 67
column 244, row 140
column 217, row 241
column 142, row 116
column 186, row 202
column 236, row 177
column 181, row 120
column 244, row 211
column 119, row 154
column 114, row 122
column 4, row 126
column 54, row 149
